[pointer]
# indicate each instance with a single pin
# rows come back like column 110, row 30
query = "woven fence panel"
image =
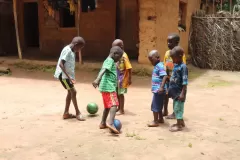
column 214, row 43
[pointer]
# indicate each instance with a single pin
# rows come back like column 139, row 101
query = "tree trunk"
column 16, row 28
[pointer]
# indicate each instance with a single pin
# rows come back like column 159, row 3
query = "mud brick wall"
column 157, row 20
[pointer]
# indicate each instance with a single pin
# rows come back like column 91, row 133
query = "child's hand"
column 161, row 90
column 129, row 82
column 73, row 81
column 181, row 97
column 95, row 83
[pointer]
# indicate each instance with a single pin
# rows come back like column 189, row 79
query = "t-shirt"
column 178, row 79
column 168, row 62
column 157, row 76
column 109, row 79
column 123, row 74
column 69, row 56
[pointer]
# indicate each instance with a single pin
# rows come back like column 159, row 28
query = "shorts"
column 157, row 102
column 67, row 84
column 121, row 91
column 110, row 99
column 178, row 108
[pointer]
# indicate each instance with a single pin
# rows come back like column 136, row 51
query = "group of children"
column 169, row 80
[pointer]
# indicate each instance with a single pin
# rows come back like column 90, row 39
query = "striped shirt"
column 157, row 76
column 109, row 79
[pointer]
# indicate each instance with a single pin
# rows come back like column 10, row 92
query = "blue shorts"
column 157, row 102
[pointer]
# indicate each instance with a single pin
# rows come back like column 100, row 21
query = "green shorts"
column 122, row 91
column 178, row 107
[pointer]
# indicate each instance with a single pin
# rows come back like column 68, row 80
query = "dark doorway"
column 31, row 31
column 127, row 26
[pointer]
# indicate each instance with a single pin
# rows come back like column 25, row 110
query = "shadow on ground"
column 85, row 73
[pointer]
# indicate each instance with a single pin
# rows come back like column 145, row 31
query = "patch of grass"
column 218, row 83
column 194, row 74
column 221, row 119
column 190, row 145
column 139, row 138
column 142, row 72
column 130, row 134
column 35, row 67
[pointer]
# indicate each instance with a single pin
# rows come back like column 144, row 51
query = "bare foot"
column 172, row 116
column 153, row 124
column 68, row 116
column 165, row 113
column 102, row 126
column 175, row 128
column 161, row 121
column 80, row 117
column 113, row 129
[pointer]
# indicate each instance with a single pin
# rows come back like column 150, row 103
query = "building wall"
column 8, row 43
column 157, row 20
column 97, row 28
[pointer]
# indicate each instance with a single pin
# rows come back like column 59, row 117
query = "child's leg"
column 121, row 103
column 74, row 100
column 112, row 103
column 121, row 99
column 156, row 107
column 68, row 102
column 178, row 110
column 66, row 114
column 104, row 118
column 165, row 110
column 160, row 117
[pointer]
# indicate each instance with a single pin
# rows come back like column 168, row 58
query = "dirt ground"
column 31, row 128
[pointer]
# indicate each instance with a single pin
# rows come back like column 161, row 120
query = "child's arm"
column 184, row 71
column 97, row 81
column 63, row 68
column 128, row 66
column 161, row 89
column 163, row 75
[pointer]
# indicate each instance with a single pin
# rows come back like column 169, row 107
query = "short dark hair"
column 175, row 37
column 177, row 51
column 78, row 40
column 116, row 49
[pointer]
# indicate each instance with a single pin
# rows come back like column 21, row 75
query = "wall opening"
column 31, row 30
column 182, row 16
column 127, row 26
column 67, row 19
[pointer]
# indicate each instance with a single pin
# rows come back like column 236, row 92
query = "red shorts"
column 110, row 99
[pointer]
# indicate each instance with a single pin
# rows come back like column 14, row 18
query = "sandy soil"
column 31, row 128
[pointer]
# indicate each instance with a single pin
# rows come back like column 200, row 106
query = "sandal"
column 68, row 116
column 153, row 124
column 80, row 117
column 172, row 116
column 175, row 129
column 113, row 129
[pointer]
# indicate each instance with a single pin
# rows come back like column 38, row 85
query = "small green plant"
column 190, row 145
column 130, row 134
column 139, row 138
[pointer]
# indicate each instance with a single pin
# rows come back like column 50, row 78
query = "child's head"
column 116, row 53
column 154, row 57
column 119, row 43
column 177, row 54
column 173, row 40
column 77, row 44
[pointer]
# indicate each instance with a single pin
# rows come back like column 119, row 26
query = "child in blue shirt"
column 159, row 77
column 178, row 87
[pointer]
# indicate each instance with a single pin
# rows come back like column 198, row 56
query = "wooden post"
column 78, row 29
column 231, row 6
column 213, row 6
column 221, row 4
column 16, row 28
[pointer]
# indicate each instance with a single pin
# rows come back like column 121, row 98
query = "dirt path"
column 31, row 127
